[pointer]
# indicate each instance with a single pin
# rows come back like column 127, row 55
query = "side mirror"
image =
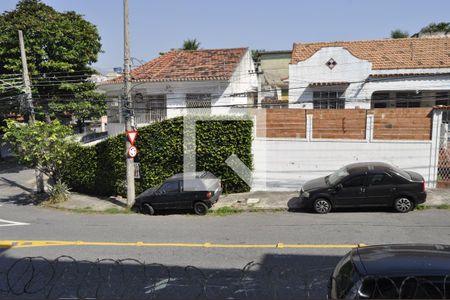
column 339, row 187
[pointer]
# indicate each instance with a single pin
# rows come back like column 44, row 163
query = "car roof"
column 403, row 260
column 179, row 176
column 364, row 167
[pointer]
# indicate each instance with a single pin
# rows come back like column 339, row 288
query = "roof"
column 407, row 53
column 184, row 65
column 403, row 259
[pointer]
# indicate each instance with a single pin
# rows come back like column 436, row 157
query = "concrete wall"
column 286, row 163
column 356, row 73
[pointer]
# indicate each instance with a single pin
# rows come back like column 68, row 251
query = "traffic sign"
column 132, row 151
column 132, row 134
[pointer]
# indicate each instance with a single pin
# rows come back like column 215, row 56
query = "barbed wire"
column 66, row 277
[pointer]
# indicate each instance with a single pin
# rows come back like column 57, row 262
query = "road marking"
column 11, row 223
column 36, row 243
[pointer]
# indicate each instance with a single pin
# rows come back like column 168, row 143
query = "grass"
column 90, row 210
column 228, row 210
column 440, row 206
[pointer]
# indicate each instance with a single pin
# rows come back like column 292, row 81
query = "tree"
column 399, row 34
column 60, row 48
column 43, row 146
column 191, row 44
column 439, row 27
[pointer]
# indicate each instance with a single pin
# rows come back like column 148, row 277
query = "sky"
column 160, row 25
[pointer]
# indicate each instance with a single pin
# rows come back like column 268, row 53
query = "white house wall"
column 284, row 165
column 355, row 72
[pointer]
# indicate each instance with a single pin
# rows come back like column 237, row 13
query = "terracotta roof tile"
column 182, row 65
column 408, row 53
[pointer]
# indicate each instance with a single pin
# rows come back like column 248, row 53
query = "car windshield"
column 337, row 176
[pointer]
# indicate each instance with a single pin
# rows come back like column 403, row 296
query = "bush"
column 60, row 192
column 100, row 169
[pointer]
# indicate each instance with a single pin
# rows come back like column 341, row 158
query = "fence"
column 388, row 124
column 292, row 146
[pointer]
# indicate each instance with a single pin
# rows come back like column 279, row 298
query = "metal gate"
column 443, row 178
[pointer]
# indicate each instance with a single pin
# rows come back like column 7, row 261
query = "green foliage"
column 399, row 34
column 60, row 192
column 45, row 146
column 191, row 44
column 100, row 169
column 59, row 47
column 439, row 27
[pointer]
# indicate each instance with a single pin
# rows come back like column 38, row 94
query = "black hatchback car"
column 365, row 184
column 408, row 271
column 197, row 191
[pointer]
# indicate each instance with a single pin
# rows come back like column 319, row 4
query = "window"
column 170, row 187
column 408, row 99
column 113, row 110
column 149, row 108
column 198, row 103
column 356, row 181
column 380, row 179
column 328, row 100
column 380, row 100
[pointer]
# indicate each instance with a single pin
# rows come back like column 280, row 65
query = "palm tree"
column 191, row 44
column 439, row 27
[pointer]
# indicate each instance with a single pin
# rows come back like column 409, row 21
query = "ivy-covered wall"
column 100, row 169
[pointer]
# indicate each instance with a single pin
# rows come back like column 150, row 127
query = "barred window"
column 328, row 100
column 113, row 111
column 198, row 103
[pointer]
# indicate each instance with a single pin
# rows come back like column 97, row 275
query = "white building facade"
column 412, row 72
column 207, row 81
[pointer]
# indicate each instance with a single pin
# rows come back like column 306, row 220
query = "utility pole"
column 26, row 79
column 128, row 106
column 30, row 107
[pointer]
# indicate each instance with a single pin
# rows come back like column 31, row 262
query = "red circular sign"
column 132, row 151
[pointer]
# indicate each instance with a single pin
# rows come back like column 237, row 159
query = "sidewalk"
column 17, row 185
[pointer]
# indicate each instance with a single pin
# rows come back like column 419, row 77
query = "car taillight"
column 209, row 195
column 423, row 185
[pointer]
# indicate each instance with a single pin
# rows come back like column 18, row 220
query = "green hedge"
column 100, row 169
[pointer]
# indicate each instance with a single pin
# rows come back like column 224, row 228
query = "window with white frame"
column 328, row 100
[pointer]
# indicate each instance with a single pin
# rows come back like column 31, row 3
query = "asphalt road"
column 162, row 271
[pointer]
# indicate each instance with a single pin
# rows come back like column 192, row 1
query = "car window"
column 380, row 179
column 170, row 187
column 344, row 279
column 354, row 181
column 338, row 175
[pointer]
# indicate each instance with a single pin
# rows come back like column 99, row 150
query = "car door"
column 351, row 192
column 168, row 195
column 381, row 189
column 187, row 195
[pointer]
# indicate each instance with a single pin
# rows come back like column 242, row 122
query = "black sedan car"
column 197, row 191
column 365, row 184
column 409, row 271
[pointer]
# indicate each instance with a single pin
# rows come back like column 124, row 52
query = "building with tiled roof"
column 181, row 82
column 409, row 72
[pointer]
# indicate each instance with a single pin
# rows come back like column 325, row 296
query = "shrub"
column 60, row 192
column 100, row 169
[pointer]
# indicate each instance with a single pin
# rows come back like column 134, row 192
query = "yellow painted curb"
column 49, row 243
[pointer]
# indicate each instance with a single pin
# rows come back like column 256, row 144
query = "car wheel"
column 147, row 209
column 403, row 205
column 322, row 206
column 200, row 208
